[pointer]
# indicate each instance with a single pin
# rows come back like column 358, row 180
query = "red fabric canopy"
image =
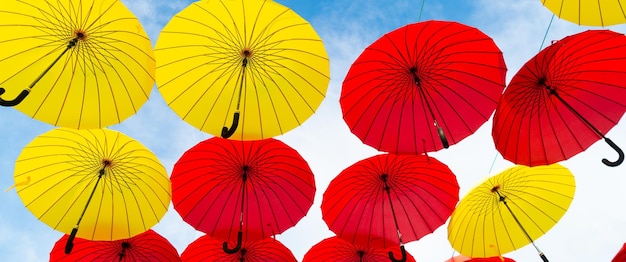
column 363, row 202
column 147, row 246
column 418, row 77
column 206, row 248
column 209, row 179
column 563, row 100
column 338, row 249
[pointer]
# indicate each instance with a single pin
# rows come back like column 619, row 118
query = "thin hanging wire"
column 419, row 18
column 546, row 34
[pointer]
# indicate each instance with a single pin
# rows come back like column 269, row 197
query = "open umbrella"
column 511, row 210
column 243, row 190
column 563, row 100
column 250, row 69
column 589, row 12
column 206, row 248
column 340, row 250
column 423, row 87
column 147, row 246
column 621, row 255
column 100, row 180
column 390, row 199
column 80, row 64
column 462, row 258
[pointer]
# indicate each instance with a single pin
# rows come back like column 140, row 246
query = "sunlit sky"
column 593, row 229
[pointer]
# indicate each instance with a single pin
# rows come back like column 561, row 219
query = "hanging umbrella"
column 423, row 87
column 589, row 12
column 100, row 180
column 462, row 258
column 389, row 199
column 80, row 64
column 511, row 210
column 147, row 246
column 206, row 248
column 250, row 69
column 340, row 250
column 621, row 255
column 246, row 190
column 563, row 100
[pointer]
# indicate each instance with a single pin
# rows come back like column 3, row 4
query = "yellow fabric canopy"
column 82, row 64
column 56, row 173
column 253, row 58
column 484, row 222
column 589, row 12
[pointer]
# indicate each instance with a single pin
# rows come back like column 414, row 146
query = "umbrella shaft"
column 90, row 197
column 71, row 44
column 553, row 92
column 503, row 200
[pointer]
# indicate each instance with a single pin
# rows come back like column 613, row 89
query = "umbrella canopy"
column 511, row 210
column 621, row 255
column 387, row 200
column 462, row 258
column 261, row 187
column 563, row 100
column 589, row 12
column 100, row 180
column 340, row 250
column 147, row 246
column 80, row 64
column 206, row 248
column 250, row 69
column 423, row 87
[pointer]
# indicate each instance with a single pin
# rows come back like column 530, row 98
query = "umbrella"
column 588, row 12
column 621, row 255
column 80, row 64
column 206, row 248
column 511, row 210
column 338, row 249
column 462, row 258
column 563, row 100
column 423, row 87
column 251, row 69
column 390, row 199
column 261, row 187
column 147, row 246
column 99, row 179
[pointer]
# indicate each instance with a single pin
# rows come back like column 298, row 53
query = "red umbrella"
column 621, row 255
column 206, row 248
column 147, row 246
column 563, row 100
column 340, row 250
column 389, row 199
column 242, row 189
column 423, row 87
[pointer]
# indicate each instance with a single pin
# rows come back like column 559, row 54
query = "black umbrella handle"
column 69, row 245
column 442, row 136
column 228, row 132
column 15, row 101
column 543, row 257
column 403, row 259
column 236, row 248
column 619, row 151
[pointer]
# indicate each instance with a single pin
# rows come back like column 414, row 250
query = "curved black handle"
column 227, row 132
column 619, row 151
column 70, row 241
column 443, row 138
column 403, row 259
column 237, row 247
column 15, row 101
column 543, row 257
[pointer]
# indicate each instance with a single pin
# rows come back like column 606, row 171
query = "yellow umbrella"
column 80, row 64
column 589, row 12
column 511, row 210
column 101, row 180
column 252, row 69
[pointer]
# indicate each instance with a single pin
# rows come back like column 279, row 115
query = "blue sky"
column 592, row 230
